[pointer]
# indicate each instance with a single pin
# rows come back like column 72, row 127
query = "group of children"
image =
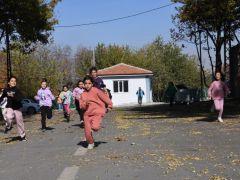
column 91, row 98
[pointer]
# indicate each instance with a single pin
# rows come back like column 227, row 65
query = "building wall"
column 149, row 89
column 130, row 97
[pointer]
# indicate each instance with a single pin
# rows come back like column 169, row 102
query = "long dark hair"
column 78, row 82
column 92, row 69
column 222, row 76
column 88, row 78
column 9, row 79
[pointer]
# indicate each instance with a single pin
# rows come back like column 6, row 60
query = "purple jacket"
column 98, row 82
column 45, row 97
column 77, row 92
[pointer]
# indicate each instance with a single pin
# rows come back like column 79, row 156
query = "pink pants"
column 17, row 114
column 91, row 123
column 66, row 108
column 218, row 103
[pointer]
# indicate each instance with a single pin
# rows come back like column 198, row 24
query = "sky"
column 135, row 31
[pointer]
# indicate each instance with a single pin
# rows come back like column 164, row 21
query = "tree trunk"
column 9, row 66
column 210, row 57
column 218, row 52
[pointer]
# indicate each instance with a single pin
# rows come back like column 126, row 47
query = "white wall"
column 130, row 97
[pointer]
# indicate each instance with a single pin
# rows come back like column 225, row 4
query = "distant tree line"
column 61, row 66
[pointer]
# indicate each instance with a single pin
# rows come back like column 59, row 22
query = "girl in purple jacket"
column 217, row 91
column 45, row 98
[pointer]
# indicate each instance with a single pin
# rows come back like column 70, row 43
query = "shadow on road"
column 13, row 139
column 199, row 109
column 85, row 144
column 79, row 125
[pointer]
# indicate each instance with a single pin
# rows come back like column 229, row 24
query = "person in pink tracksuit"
column 217, row 91
column 95, row 104
column 66, row 97
column 76, row 95
column 13, row 107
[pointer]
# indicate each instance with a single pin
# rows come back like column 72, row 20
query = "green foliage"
column 27, row 21
column 53, row 63
column 169, row 64
column 218, row 20
column 166, row 61
column 83, row 59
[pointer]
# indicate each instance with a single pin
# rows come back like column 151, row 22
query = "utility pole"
column 93, row 58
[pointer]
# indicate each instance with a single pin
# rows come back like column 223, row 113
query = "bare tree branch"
column 2, row 34
column 236, row 38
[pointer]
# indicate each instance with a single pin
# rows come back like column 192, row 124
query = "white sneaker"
column 220, row 119
column 90, row 146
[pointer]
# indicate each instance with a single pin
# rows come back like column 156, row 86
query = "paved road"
column 140, row 143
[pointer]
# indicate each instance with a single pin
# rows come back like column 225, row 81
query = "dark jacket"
column 98, row 82
column 15, row 101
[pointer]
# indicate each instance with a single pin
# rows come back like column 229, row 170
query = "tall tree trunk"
column 210, row 57
column 9, row 66
column 218, row 52
column 225, row 50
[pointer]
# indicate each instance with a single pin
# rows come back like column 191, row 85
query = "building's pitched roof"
column 123, row 69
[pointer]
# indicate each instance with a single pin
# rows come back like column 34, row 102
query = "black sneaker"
column 7, row 129
column 23, row 138
column 68, row 118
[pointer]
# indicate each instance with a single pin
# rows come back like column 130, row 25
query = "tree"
column 218, row 20
column 51, row 62
column 166, row 60
column 83, row 59
column 168, row 63
column 26, row 21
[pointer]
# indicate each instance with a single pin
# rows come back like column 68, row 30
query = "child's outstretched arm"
column 226, row 90
column 83, row 103
column 51, row 95
column 105, row 98
column 37, row 97
column 210, row 90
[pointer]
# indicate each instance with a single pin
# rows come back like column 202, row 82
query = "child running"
column 66, row 97
column 13, row 107
column 76, row 95
column 3, row 107
column 94, row 102
column 97, row 81
column 217, row 91
column 45, row 98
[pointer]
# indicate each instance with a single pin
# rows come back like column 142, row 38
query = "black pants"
column 171, row 99
column 139, row 100
column 80, row 111
column 46, row 112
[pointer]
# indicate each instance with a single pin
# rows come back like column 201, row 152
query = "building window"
column 120, row 86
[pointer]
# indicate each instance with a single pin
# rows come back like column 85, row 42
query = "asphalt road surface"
column 136, row 143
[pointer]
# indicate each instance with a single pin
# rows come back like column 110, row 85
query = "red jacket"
column 94, row 102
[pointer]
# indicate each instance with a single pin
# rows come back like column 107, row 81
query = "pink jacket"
column 217, row 90
column 77, row 92
column 94, row 102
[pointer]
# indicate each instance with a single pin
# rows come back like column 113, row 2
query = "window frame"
column 122, row 85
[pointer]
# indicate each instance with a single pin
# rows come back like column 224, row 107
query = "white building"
column 124, row 80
